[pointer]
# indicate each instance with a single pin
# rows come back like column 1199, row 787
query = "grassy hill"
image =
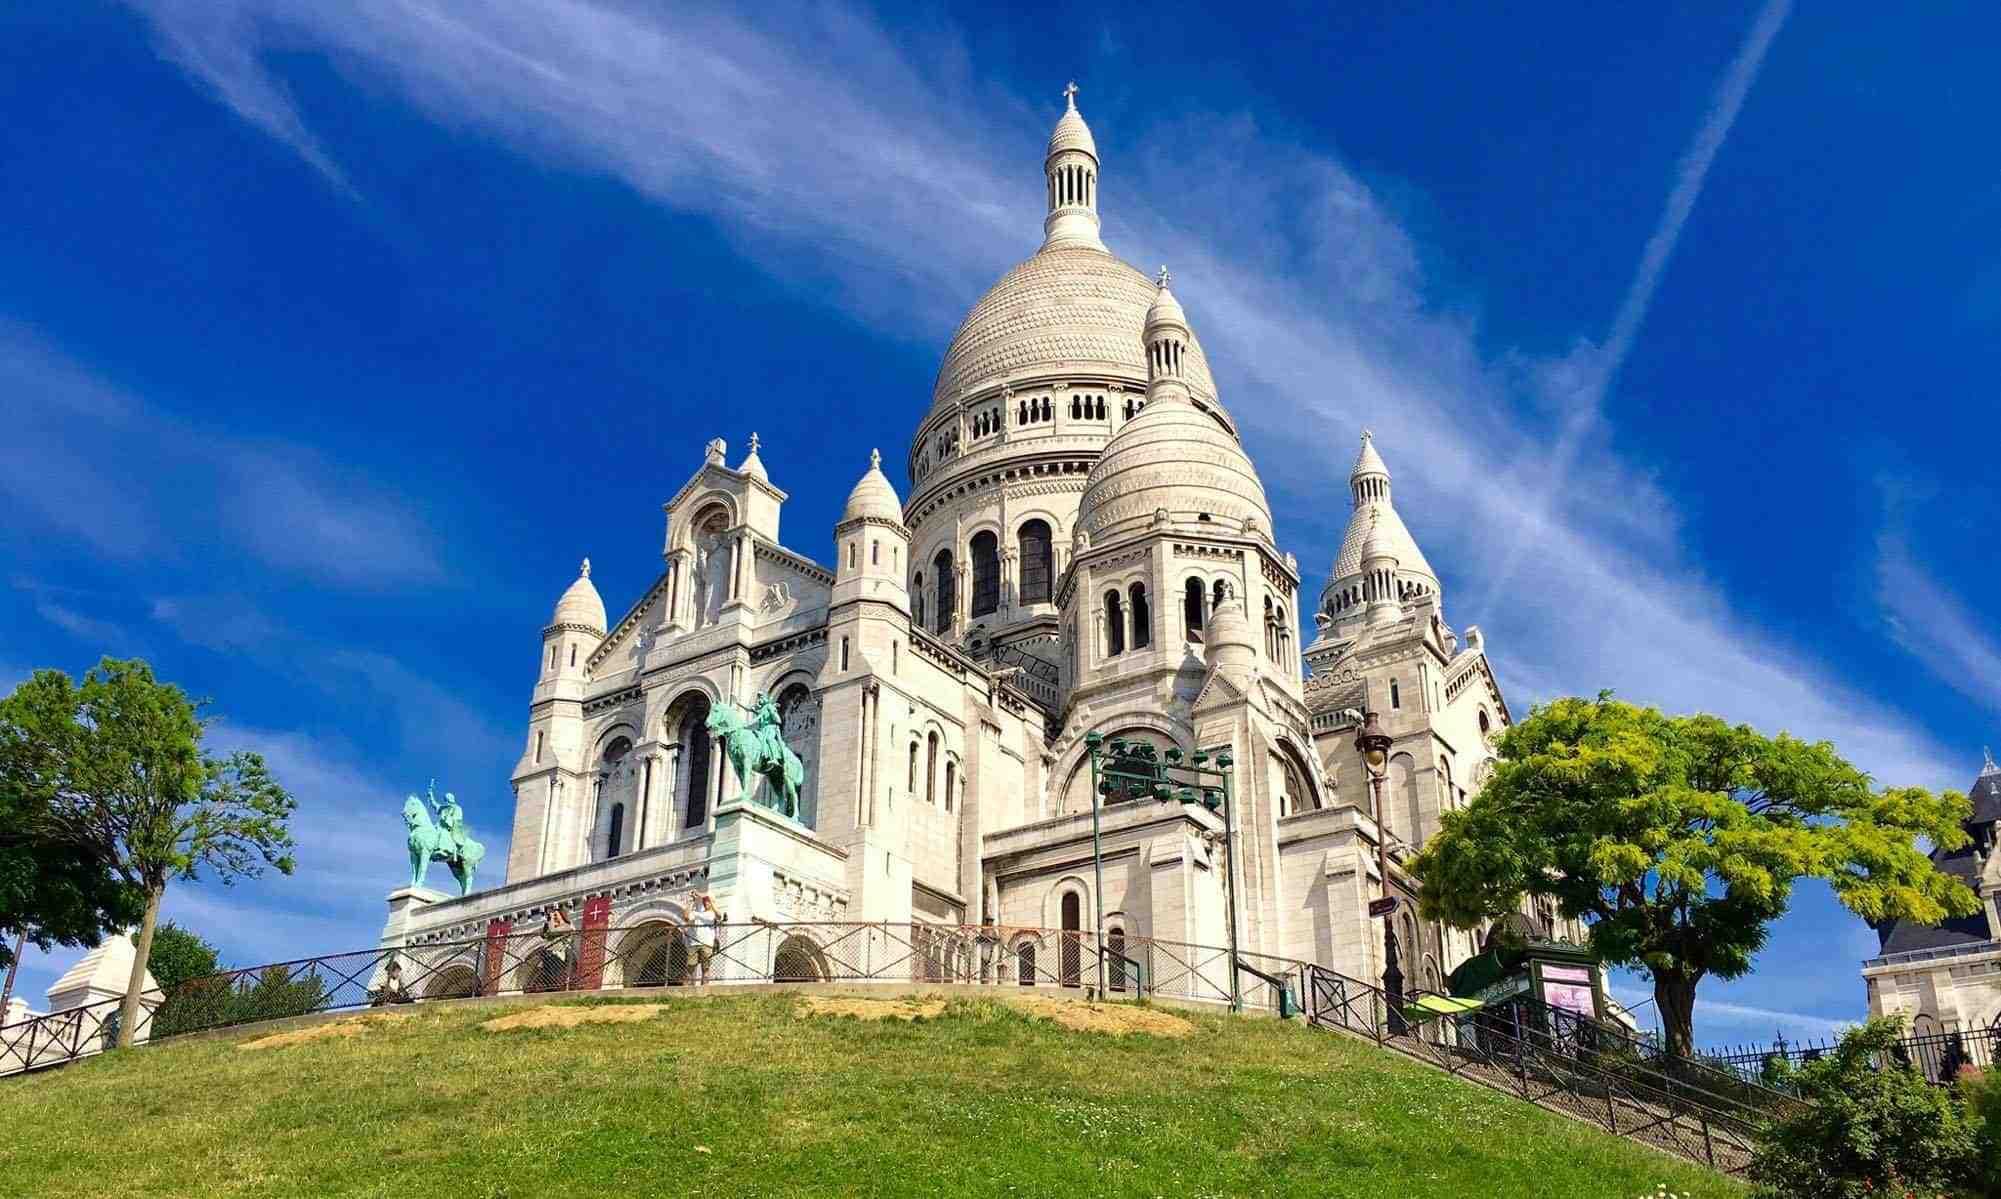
column 761, row 1094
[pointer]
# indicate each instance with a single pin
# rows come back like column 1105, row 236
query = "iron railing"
column 1941, row 1056
column 1545, row 1055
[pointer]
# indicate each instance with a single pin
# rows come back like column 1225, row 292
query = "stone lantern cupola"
column 872, row 542
column 574, row 632
column 1071, row 169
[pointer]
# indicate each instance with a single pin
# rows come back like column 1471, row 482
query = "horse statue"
column 757, row 749
column 445, row 841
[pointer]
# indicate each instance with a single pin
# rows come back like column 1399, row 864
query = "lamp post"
column 1135, row 767
column 1374, row 746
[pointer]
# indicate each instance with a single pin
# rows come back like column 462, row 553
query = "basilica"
column 1083, row 553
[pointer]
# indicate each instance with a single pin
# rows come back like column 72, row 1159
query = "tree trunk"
column 128, row 1012
column 1674, row 994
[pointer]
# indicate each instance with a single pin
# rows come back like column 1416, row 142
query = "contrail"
column 1584, row 402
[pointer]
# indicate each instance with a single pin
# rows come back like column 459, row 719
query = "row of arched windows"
column 1127, row 611
column 1088, row 407
column 1033, row 411
column 986, row 422
column 1278, row 632
column 932, row 779
column 1197, row 604
column 1036, row 585
column 1072, row 185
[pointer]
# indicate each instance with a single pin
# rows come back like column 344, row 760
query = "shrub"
column 1983, row 1106
column 1872, row 1127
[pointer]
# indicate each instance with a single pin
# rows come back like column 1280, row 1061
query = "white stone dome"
column 1071, row 133
column 873, row 497
column 1066, row 310
column 1173, row 457
column 581, row 604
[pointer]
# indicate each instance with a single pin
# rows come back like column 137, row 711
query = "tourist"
column 704, row 931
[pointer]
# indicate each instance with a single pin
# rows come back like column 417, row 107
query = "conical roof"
column 1375, row 514
column 1071, row 133
column 873, row 497
column 581, row 604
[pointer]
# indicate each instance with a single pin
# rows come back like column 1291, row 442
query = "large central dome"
column 1070, row 309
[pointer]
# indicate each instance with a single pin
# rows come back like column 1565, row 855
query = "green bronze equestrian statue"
column 446, row 841
column 757, row 750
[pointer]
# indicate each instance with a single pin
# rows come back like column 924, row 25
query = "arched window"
column 1191, row 608
column 1396, row 696
column 538, row 741
column 942, row 567
column 1297, row 795
column 1271, row 632
column 931, row 771
column 695, row 754
column 1485, row 724
column 1070, row 951
column 1037, row 562
column 1024, row 962
column 615, row 838
column 1222, row 592
column 1115, row 958
column 911, row 785
column 986, row 573
column 951, row 778
column 1115, row 625
column 917, row 598
column 1142, row 616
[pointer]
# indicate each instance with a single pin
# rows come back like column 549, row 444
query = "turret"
column 574, row 632
column 1167, row 336
column 1379, row 576
column 1071, row 170
column 872, row 543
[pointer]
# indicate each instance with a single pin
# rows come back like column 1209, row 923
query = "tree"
column 1873, row 1127
column 1679, row 839
column 179, row 955
column 126, row 769
column 57, row 884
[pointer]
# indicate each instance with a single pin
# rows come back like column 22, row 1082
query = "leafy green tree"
column 58, row 884
column 1679, row 839
column 125, row 768
column 1873, row 1127
column 179, row 955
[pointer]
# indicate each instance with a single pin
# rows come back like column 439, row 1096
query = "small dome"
column 1176, row 457
column 1165, row 310
column 873, row 497
column 581, row 604
column 753, row 465
column 1071, row 133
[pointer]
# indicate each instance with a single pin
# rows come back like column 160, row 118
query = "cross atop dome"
column 1990, row 767
column 1162, row 279
column 1070, row 95
column 584, row 572
column 875, row 459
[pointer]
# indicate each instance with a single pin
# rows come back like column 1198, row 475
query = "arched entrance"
column 654, row 954
column 798, row 960
column 1070, row 953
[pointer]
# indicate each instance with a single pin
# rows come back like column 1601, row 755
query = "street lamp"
column 1134, row 767
column 1374, row 746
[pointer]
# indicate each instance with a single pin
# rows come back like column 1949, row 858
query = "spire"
column 752, row 465
column 1070, row 169
column 1166, row 335
column 584, row 571
column 1990, row 769
column 1370, row 480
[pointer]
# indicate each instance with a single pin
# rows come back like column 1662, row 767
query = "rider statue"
column 768, row 725
column 451, row 817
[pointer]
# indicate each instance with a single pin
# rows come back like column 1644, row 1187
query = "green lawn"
column 983, row 1100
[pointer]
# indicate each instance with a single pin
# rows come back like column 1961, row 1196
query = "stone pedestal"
column 758, row 857
column 404, row 904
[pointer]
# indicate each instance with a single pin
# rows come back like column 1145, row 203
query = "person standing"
column 705, row 934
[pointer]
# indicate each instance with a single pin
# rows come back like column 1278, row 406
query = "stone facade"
column 1086, row 549
column 1947, row 978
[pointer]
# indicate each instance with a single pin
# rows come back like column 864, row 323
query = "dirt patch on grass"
column 571, row 1015
column 331, row 1030
column 1118, row 1019
column 871, row 1009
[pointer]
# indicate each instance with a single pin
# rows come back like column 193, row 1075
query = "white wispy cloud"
column 1935, row 626
column 912, row 185
column 87, row 459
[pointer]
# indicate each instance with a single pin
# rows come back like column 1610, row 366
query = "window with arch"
column 910, row 784
column 1038, row 562
column 1193, row 602
column 1271, row 631
column 1115, row 958
column 942, row 567
column 1219, row 593
column 538, row 745
column 1296, row 793
column 951, row 780
column 986, row 573
column 931, row 770
column 552, row 657
column 1396, row 696
column 573, row 655
column 1070, row 950
column 1142, row 616
column 1115, row 625
column 917, row 598
column 1486, row 725
column 615, row 839
column 695, row 782
column 844, row 653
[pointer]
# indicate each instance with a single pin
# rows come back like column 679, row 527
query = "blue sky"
column 330, row 343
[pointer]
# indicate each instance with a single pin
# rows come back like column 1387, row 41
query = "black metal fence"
column 661, row 954
column 1548, row 1056
column 1941, row 1056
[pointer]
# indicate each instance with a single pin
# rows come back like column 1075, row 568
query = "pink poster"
column 1569, row 988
